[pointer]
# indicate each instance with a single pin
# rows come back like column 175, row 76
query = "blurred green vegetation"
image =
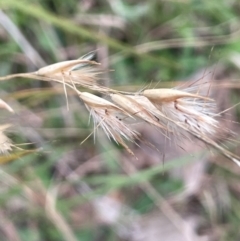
column 144, row 42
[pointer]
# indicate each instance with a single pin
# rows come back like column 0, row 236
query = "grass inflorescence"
column 179, row 112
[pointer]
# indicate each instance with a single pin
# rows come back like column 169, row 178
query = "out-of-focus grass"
column 159, row 41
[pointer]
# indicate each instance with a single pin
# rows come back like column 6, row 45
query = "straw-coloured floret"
column 110, row 118
column 78, row 72
column 195, row 112
column 133, row 105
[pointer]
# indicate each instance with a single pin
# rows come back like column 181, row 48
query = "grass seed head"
column 179, row 111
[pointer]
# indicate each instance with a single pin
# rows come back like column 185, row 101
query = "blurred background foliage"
column 61, row 190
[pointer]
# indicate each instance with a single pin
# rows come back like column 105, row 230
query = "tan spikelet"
column 195, row 112
column 129, row 104
column 109, row 117
column 64, row 66
column 83, row 72
column 168, row 95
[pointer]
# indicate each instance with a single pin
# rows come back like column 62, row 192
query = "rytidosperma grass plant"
column 179, row 112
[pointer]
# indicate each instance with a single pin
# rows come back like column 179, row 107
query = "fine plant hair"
column 177, row 112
